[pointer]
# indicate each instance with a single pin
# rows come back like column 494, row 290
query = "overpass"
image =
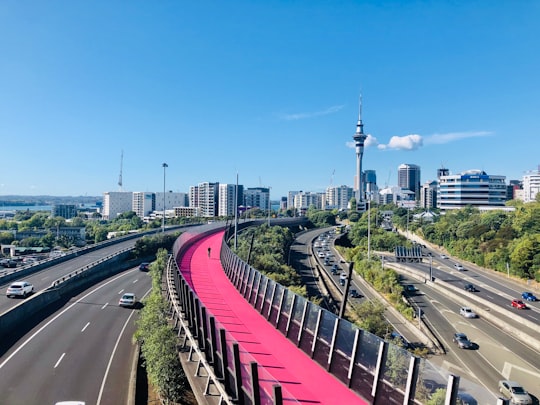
column 262, row 344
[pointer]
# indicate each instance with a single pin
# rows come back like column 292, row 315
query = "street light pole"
column 165, row 165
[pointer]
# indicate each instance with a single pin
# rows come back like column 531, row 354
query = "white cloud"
column 438, row 139
column 407, row 142
column 301, row 116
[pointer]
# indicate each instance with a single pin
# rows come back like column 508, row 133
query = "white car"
column 467, row 312
column 515, row 392
column 20, row 289
column 444, row 256
column 458, row 267
column 128, row 300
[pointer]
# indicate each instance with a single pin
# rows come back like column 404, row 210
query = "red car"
column 518, row 304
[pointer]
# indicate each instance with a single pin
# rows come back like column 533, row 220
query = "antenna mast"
column 121, row 164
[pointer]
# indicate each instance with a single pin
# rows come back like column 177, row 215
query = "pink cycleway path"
column 303, row 378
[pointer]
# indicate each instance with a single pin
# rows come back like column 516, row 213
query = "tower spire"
column 359, row 139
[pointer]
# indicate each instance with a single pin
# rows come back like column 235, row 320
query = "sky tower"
column 359, row 139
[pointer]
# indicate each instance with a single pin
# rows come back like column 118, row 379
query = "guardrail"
column 377, row 370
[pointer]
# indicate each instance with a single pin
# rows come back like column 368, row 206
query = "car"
column 515, row 392
column 144, row 266
column 320, row 253
column 355, row 294
column 128, row 300
column 469, row 287
column 462, row 341
column 342, row 278
column 518, row 304
column 467, row 312
column 335, row 268
column 458, row 267
column 8, row 263
column 409, row 288
column 443, row 256
column 20, row 289
column 528, row 296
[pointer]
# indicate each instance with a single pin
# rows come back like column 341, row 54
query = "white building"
column 226, row 200
column 172, row 200
column 116, row 203
column 338, row 197
column 531, row 185
column 471, row 188
column 205, row 197
column 143, row 203
column 428, row 194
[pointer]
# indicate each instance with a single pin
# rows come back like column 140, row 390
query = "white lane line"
column 121, row 291
column 59, row 360
column 54, row 319
column 85, row 326
column 102, row 388
column 105, row 306
column 134, row 281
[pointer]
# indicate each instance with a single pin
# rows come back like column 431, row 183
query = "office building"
column 205, row 197
column 428, row 194
column 228, row 201
column 409, row 178
column 471, row 188
column 143, row 203
column 257, row 197
column 116, row 203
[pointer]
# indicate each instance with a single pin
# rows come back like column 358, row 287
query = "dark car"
column 335, row 268
column 8, row 263
column 462, row 341
column 144, row 266
column 355, row 294
column 470, row 287
column 410, row 288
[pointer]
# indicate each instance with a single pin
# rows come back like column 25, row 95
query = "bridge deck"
column 305, row 380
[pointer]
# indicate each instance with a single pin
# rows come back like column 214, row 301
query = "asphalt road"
column 81, row 352
column 44, row 278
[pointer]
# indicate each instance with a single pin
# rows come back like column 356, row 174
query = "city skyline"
column 267, row 91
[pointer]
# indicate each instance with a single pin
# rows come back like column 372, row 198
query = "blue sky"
column 266, row 89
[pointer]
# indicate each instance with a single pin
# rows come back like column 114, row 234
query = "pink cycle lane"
column 305, row 380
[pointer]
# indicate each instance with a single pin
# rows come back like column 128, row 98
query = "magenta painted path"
column 299, row 375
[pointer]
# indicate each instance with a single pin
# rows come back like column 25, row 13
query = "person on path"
column 209, row 250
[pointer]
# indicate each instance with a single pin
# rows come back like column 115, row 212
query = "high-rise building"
column 257, row 197
column 338, row 197
column 143, row 203
column 359, row 139
column 205, row 197
column 228, row 201
column 409, row 178
column 471, row 188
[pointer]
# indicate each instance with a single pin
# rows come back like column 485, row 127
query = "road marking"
column 85, row 326
column 121, row 291
column 59, row 360
column 102, row 388
column 134, row 281
column 105, row 306
column 507, row 370
column 55, row 318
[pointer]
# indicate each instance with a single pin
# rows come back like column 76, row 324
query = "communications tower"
column 359, row 139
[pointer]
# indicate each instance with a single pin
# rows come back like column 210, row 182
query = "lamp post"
column 165, row 165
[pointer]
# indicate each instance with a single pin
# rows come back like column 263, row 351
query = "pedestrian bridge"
column 262, row 344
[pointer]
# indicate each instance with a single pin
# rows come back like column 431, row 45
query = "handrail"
column 172, row 267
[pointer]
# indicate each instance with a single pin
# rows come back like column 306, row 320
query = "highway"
column 43, row 278
column 82, row 352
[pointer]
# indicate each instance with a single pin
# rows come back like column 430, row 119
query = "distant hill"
column 15, row 200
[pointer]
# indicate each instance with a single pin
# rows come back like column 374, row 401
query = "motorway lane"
column 45, row 277
column 498, row 356
column 82, row 352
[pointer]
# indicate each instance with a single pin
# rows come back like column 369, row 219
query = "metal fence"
column 380, row 372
